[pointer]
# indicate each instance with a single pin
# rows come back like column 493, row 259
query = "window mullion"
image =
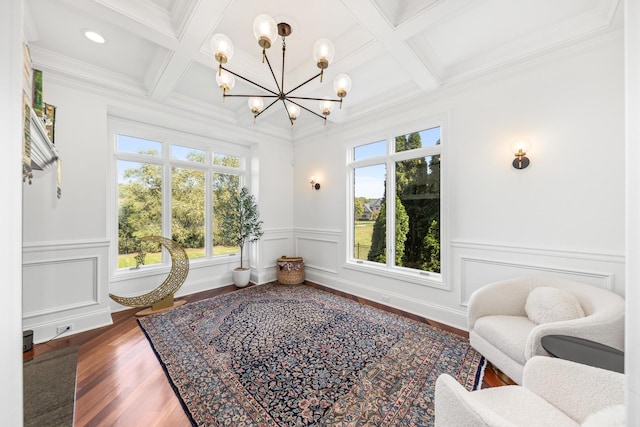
column 391, row 218
column 167, row 185
column 208, row 212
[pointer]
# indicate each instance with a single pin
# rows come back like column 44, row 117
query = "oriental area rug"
column 293, row 355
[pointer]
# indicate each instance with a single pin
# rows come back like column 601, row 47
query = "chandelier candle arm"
column 288, row 113
column 302, row 84
column 266, row 108
column 284, row 50
column 249, row 81
column 275, row 79
column 306, row 109
column 311, row 99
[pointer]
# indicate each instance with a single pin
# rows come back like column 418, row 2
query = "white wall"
column 632, row 83
column 563, row 216
column 10, row 245
column 68, row 241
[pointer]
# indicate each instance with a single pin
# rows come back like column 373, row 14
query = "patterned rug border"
column 186, row 409
column 477, row 382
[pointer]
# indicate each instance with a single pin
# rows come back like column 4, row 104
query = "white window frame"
column 390, row 270
column 168, row 137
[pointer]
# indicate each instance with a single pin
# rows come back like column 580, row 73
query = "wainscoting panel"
column 50, row 287
column 65, row 284
column 273, row 245
column 475, row 265
column 320, row 249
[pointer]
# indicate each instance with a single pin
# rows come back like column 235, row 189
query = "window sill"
column 122, row 274
column 431, row 280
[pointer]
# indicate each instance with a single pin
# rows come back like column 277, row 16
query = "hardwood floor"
column 121, row 383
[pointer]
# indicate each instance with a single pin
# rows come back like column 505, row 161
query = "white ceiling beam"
column 197, row 29
column 431, row 16
column 370, row 18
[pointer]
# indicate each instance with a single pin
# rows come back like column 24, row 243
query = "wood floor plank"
column 120, row 381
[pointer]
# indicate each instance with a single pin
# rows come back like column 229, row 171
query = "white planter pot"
column 241, row 277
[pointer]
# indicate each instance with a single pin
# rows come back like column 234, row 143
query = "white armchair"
column 500, row 329
column 555, row 392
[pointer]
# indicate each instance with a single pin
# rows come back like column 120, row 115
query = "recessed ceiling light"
column 93, row 36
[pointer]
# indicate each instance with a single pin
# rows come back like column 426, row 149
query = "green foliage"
column 187, row 207
column 358, row 207
column 418, row 185
column 402, row 228
column 362, row 239
column 430, row 257
column 378, row 251
column 140, row 200
column 225, row 187
column 241, row 220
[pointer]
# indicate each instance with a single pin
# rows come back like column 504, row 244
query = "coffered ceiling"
column 159, row 49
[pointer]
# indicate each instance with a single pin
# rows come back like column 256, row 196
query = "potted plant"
column 241, row 224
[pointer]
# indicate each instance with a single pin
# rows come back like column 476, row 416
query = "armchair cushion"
column 546, row 304
column 507, row 333
column 612, row 416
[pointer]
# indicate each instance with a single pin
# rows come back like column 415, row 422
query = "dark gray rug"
column 50, row 388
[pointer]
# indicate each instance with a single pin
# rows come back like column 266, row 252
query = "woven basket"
column 290, row 270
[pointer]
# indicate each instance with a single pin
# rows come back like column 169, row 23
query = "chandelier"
column 266, row 30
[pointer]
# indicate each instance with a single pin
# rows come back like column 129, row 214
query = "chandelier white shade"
column 266, row 31
column 323, row 53
column 256, row 104
column 342, row 85
column 225, row 81
column 293, row 110
column 326, row 105
column 222, row 47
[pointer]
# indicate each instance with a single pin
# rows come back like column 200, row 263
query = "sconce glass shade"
column 520, row 147
column 342, row 85
column 225, row 80
column 294, row 111
column 265, row 29
column 326, row 107
column 255, row 104
column 222, row 47
column 323, row 53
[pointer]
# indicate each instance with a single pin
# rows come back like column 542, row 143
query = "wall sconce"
column 520, row 148
column 315, row 185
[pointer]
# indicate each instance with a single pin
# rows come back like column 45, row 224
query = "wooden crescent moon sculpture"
column 161, row 298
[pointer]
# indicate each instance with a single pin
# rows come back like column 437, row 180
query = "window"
column 396, row 200
column 171, row 189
